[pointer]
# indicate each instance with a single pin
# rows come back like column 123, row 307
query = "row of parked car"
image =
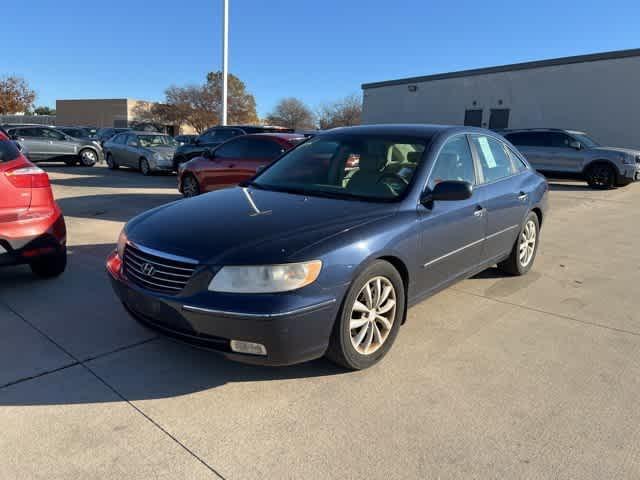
column 225, row 155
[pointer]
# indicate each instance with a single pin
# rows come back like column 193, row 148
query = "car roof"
column 283, row 136
column 143, row 132
column 507, row 131
column 408, row 129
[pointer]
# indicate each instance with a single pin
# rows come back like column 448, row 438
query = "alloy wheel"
column 190, row 186
column 527, row 246
column 88, row 158
column 372, row 315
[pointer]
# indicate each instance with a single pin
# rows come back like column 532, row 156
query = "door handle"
column 479, row 211
column 523, row 196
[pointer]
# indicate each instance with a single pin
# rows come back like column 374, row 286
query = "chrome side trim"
column 501, row 232
column 458, row 250
column 160, row 254
column 224, row 313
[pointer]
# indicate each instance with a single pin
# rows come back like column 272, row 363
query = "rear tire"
column 368, row 324
column 51, row 265
column 190, row 186
column 88, row 157
column 111, row 163
column 145, row 169
column 601, row 176
column 524, row 249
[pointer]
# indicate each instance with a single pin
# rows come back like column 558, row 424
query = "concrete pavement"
column 531, row 377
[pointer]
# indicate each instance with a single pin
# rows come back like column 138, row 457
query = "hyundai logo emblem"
column 148, row 269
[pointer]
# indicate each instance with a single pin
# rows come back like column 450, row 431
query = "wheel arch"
column 402, row 269
column 600, row 161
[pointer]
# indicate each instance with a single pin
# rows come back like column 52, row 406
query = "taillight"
column 28, row 177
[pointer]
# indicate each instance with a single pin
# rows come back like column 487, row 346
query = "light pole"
column 225, row 58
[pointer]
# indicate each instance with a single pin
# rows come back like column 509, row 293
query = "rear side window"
column 8, row 151
column 494, row 160
column 259, row 148
column 233, row 149
column 526, row 139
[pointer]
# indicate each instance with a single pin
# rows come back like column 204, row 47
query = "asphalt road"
column 530, row 377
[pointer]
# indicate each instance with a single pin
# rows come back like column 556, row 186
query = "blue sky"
column 317, row 51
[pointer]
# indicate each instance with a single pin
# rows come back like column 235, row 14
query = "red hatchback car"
column 233, row 161
column 32, row 228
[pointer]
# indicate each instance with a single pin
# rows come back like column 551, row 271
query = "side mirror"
column 575, row 144
column 208, row 153
column 196, row 141
column 447, row 191
column 132, row 143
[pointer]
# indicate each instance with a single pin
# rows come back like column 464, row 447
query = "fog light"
column 248, row 347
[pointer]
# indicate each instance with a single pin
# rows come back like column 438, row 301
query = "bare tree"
column 291, row 113
column 343, row 113
column 200, row 106
column 15, row 95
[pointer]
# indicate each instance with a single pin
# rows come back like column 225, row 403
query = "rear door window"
column 262, row 148
column 233, row 149
column 494, row 160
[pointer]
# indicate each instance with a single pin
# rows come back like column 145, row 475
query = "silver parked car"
column 47, row 143
column 572, row 152
column 147, row 152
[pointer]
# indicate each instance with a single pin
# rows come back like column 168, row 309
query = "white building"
column 597, row 93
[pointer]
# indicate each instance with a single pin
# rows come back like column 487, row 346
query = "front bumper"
column 290, row 336
column 630, row 174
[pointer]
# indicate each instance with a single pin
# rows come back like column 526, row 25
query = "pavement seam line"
column 38, row 375
column 109, row 386
column 559, row 315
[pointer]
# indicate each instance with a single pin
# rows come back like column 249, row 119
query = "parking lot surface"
column 496, row 377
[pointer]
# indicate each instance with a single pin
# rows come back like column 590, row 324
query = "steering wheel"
column 393, row 176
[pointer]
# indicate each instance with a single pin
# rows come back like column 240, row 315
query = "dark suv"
column 215, row 136
column 557, row 151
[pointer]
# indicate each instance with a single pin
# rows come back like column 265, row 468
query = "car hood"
column 628, row 151
column 244, row 226
column 165, row 151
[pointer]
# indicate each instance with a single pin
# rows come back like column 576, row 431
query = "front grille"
column 156, row 273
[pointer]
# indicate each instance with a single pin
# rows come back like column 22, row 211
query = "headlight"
column 266, row 278
column 158, row 157
column 629, row 160
column 122, row 241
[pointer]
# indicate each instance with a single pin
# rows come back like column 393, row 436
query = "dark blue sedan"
column 323, row 252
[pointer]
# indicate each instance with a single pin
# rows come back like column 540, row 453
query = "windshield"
column 367, row 167
column 156, row 141
column 585, row 140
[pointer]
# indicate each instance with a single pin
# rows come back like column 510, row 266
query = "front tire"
column 369, row 319
column 88, row 157
column 51, row 265
column 601, row 176
column 190, row 186
column 145, row 169
column 525, row 248
column 111, row 163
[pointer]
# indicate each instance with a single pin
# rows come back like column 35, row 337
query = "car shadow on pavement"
column 104, row 178
column 116, row 207
column 138, row 364
column 568, row 187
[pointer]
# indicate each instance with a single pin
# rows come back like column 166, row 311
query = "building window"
column 473, row 118
column 499, row 118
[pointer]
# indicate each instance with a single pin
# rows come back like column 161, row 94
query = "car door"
column 33, row 139
column 261, row 151
column 115, row 147
column 223, row 164
column 451, row 232
column 59, row 144
column 130, row 151
column 566, row 157
column 505, row 191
